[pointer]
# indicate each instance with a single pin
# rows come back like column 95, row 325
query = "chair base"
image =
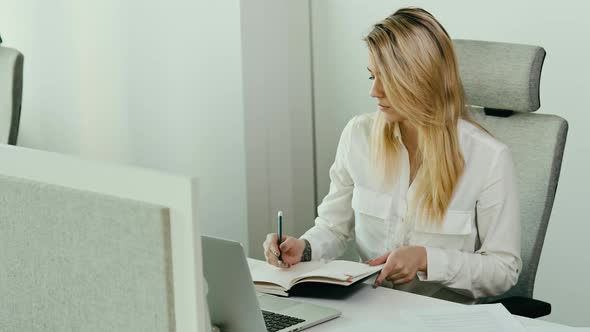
column 524, row 306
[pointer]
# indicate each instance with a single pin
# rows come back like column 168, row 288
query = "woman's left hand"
column 401, row 264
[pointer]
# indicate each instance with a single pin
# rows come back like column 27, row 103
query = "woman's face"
column 378, row 93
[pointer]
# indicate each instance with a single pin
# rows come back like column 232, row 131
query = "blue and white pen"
column 280, row 233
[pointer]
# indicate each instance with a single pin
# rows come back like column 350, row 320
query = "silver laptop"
column 235, row 306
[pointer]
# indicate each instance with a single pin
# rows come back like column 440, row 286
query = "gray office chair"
column 503, row 80
column 11, row 92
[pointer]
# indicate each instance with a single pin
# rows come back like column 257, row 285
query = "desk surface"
column 384, row 304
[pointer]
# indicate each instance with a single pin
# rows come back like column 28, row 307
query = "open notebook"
column 278, row 281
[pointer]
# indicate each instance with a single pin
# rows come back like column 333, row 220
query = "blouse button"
column 403, row 207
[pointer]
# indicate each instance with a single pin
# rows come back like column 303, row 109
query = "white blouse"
column 474, row 253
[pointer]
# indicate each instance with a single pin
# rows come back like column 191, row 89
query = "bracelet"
column 306, row 256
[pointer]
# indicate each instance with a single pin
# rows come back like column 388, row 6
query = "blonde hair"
column 418, row 68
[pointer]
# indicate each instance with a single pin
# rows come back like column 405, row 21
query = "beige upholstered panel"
column 72, row 260
column 500, row 75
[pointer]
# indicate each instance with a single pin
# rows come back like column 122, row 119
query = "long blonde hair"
column 418, row 68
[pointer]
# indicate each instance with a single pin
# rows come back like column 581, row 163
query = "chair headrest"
column 500, row 75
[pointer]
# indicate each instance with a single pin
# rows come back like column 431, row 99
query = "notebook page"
column 463, row 318
column 264, row 272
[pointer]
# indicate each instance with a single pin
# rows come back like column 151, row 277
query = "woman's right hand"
column 290, row 252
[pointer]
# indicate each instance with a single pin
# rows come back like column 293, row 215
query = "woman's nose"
column 377, row 89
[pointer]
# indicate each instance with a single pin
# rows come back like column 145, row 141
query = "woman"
column 418, row 185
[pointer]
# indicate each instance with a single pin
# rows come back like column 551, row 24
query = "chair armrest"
column 524, row 306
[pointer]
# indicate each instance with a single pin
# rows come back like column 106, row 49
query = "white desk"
column 383, row 304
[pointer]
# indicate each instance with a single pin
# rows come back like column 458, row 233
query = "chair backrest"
column 502, row 81
column 11, row 91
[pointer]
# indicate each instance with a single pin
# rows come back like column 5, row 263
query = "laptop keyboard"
column 276, row 322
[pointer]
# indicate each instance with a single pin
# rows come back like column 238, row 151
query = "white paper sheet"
column 468, row 318
column 376, row 325
column 557, row 328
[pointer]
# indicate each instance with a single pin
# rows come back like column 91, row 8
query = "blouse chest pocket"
column 453, row 233
column 372, row 203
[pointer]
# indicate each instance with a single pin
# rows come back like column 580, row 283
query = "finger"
column 274, row 248
column 384, row 273
column 290, row 260
column 278, row 263
column 379, row 260
column 269, row 250
column 268, row 254
column 279, row 248
column 276, row 243
column 272, row 244
column 272, row 260
column 396, row 276
column 397, row 268
column 271, row 237
column 403, row 280
column 379, row 280
column 391, row 266
column 275, row 237
column 281, row 264
column 288, row 244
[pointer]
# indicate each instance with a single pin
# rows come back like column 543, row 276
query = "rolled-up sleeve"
column 334, row 226
column 494, row 268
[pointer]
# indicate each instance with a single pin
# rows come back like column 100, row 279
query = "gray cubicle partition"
column 73, row 260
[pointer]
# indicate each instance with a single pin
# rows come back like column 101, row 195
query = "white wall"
column 151, row 83
column 561, row 27
column 277, row 102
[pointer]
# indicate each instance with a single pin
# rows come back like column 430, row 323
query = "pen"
column 280, row 233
